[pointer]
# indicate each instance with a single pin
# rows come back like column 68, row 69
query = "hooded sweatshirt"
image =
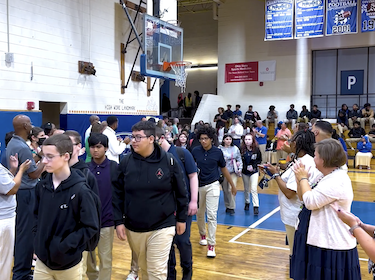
column 147, row 194
column 61, row 234
column 90, row 178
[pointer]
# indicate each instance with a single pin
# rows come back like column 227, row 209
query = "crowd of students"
column 69, row 207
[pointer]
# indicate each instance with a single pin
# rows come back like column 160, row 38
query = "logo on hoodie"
column 159, row 173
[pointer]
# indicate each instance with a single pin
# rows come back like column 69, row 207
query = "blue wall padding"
column 6, row 119
column 78, row 122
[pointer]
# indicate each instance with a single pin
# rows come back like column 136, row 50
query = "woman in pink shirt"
column 282, row 135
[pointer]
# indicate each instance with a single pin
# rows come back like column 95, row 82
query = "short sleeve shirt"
column 263, row 130
column 208, row 163
column 188, row 168
column 17, row 145
column 7, row 202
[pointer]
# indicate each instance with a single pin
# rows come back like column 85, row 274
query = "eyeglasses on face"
column 137, row 138
column 50, row 157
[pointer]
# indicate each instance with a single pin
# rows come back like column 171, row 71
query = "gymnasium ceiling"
column 196, row 6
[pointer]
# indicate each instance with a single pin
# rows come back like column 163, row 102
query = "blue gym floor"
column 267, row 203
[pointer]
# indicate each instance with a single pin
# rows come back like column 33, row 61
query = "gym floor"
column 254, row 247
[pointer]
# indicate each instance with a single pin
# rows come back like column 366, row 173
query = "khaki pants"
column 303, row 120
column 229, row 198
column 152, row 249
column 351, row 122
column 281, row 154
column 262, row 149
column 250, row 184
column 208, row 202
column 290, row 235
column 42, row 272
column 342, row 128
column 7, row 232
column 364, row 120
column 351, row 140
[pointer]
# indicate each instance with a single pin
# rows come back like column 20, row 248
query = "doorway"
column 51, row 112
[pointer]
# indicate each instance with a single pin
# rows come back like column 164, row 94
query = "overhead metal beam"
column 182, row 3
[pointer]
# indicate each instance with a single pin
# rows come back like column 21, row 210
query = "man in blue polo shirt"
column 24, row 249
column 209, row 159
column 189, row 169
column 261, row 137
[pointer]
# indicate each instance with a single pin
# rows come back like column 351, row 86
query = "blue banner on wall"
column 279, row 19
column 352, row 82
column 341, row 17
column 367, row 15
column 309, row 18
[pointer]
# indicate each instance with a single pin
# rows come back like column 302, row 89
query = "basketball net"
column 179, row 68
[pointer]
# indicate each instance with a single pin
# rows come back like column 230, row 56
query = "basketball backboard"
column 162, row 42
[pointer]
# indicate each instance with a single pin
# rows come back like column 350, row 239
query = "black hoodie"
column 147, row 195
column 90, row 178
column 61, row 234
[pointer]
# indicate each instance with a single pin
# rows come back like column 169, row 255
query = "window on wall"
column 343, row 76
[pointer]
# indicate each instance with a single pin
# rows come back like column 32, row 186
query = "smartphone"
column 264, row 167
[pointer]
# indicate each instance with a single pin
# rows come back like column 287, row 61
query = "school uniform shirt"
column 238, row 131
column 290, row 208
column 251, row 158
column 326, row 230
column 208, row 163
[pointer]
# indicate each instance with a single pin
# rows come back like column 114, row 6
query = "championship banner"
column 309, row 18
column 253, row 71
column 279, row 19
column 368, row 15
column 341, row 17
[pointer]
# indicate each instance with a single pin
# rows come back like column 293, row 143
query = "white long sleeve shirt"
column 326, row 230
column 236, row 131
column 115, row 147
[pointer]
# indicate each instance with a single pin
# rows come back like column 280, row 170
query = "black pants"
column 186, row 256
column 24, row 249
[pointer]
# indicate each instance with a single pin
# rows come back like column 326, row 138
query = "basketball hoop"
column 179, row 68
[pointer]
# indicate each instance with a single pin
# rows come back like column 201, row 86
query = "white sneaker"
column 211, row 251
column 203, row 240
column 132, row 276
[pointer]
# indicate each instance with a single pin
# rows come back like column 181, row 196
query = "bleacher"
column 351, row 153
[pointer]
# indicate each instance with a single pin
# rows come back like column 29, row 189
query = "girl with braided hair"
column 302, row 145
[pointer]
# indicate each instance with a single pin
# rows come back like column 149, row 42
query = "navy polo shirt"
column 188, row 168
column 102, row 173
column 209, row 163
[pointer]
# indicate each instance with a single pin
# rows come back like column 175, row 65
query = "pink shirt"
column 280, row 140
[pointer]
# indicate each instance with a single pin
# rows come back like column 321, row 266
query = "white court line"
column 254, row 225
column 274, row 247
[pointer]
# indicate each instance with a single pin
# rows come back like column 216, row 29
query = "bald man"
column 24, row 249
column 93, row 119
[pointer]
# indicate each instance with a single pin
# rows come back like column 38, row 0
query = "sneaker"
column 211, row 251
column 231, row 212
column 132, row 276
column 256, row 210
column 203, row 240
column 247, row 205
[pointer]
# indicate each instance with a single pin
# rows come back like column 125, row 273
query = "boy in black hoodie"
column 61, row 234
column 149, row 199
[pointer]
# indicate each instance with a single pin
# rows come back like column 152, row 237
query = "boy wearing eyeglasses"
column 209, row 160
column 150, row 201
column 61, row 234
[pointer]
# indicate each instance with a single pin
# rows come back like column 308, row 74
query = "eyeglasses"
column 204, row 139
column 137, row 138
column 50, row 157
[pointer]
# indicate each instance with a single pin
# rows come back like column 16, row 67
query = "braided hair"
column 305, row 140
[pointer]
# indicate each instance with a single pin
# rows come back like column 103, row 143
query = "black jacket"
column 90, row 178
column 61, row 234
column 147, row 195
